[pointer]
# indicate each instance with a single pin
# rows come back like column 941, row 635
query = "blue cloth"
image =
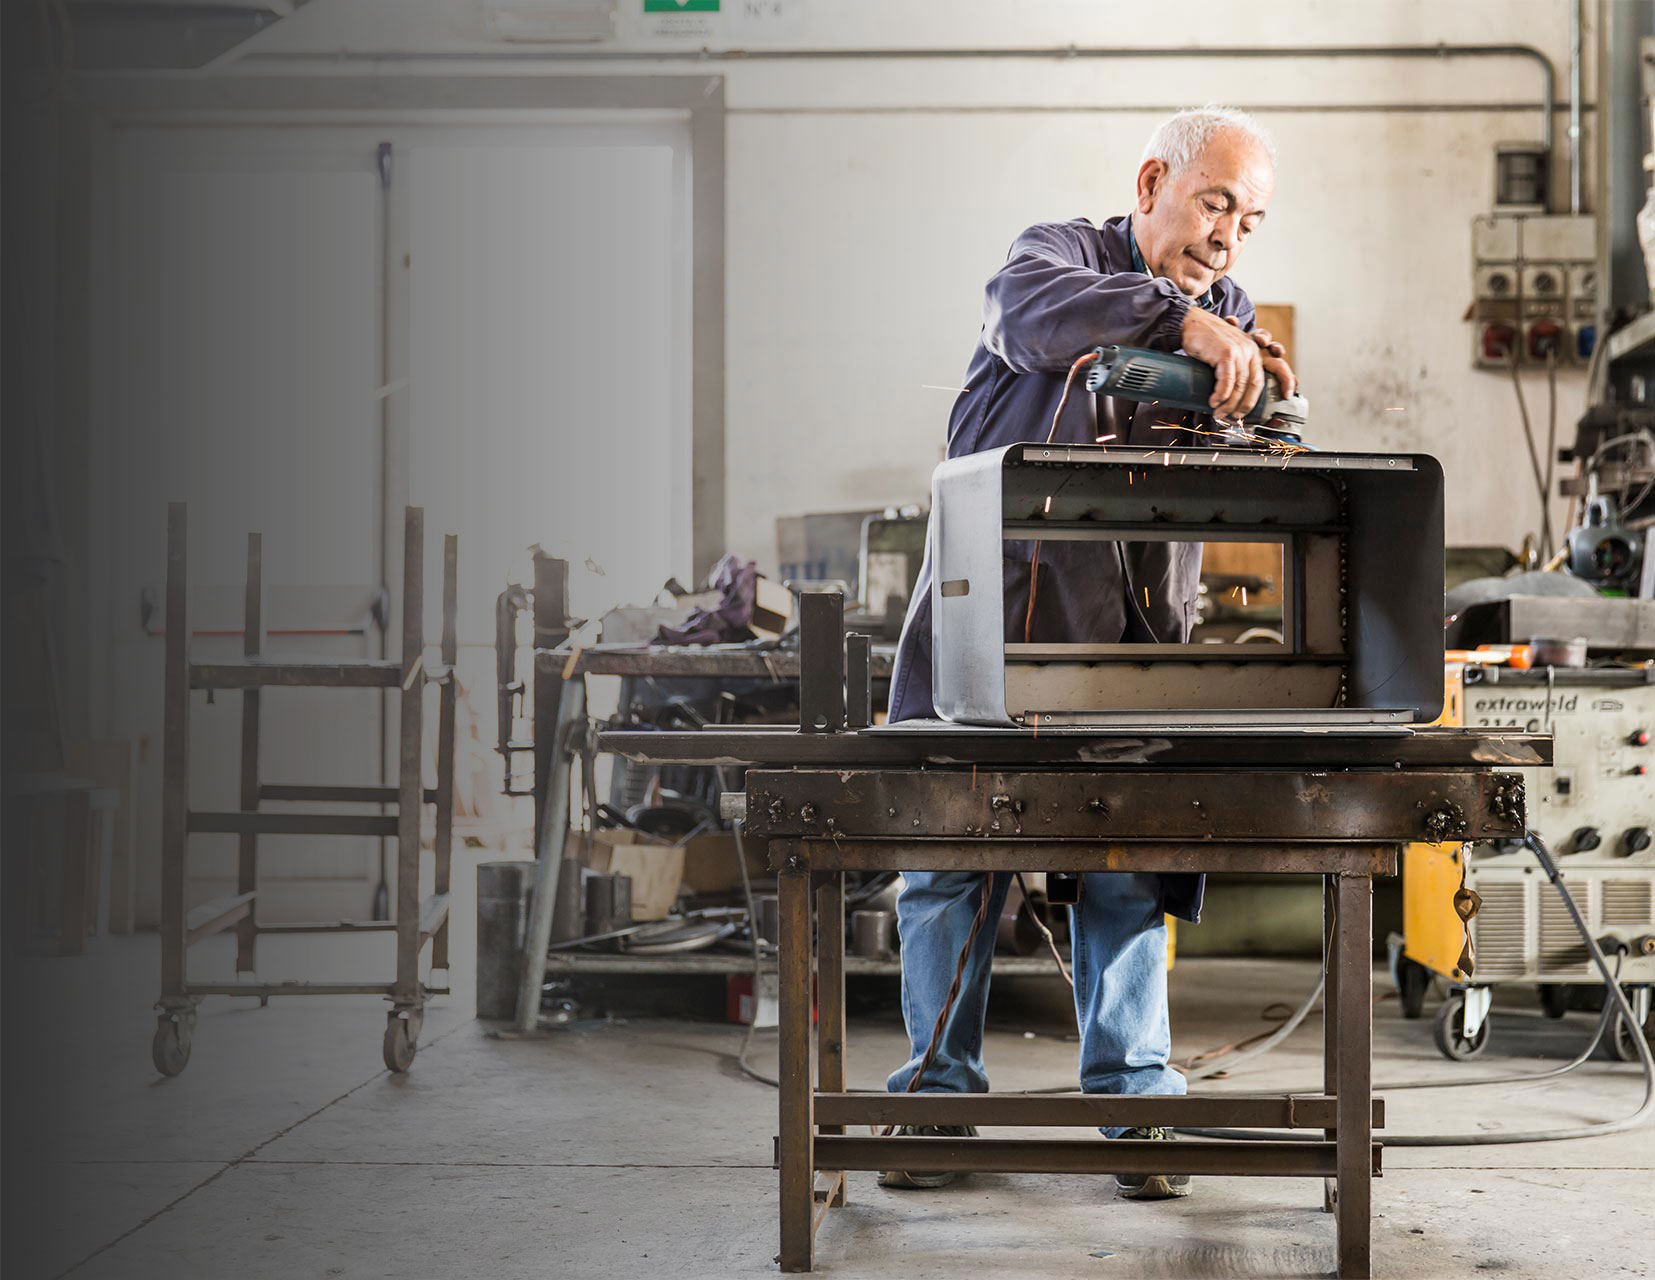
column 1120, row 972
column 1065, row 288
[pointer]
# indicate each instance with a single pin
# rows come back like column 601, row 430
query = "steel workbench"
column 928, row 796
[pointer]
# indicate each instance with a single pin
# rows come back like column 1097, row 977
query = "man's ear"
column 1151, row 175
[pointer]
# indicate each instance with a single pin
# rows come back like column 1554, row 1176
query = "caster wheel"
column 1620, row 1038
column 170, row 1049
column 1413, row 982
column 402, row 1040
column 1554, row 999
column 1449, row 1031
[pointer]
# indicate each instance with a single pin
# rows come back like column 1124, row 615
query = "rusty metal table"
column 1336, row 804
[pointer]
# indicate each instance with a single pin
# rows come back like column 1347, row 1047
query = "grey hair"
column 1180, row 138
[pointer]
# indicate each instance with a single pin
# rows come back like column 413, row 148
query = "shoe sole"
column 1155, row 1188
column 903, row 1181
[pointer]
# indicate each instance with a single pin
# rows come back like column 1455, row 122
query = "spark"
column 1244, row 597
column 1146, row 597
column 928, row 386
column 1048, row 506
column 1396, row 408
column 1110, row 436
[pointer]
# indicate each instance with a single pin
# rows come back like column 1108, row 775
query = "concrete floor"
column 621, row 1150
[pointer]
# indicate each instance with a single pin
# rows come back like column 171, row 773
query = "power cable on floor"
column 1615, row 1002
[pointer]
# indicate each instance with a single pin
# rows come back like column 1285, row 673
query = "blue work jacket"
column 1065, row 288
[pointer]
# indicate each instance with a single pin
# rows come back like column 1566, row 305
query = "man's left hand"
column 1274, row 356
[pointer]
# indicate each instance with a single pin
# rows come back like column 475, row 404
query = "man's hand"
column 1275, row 358
column 1237, row 360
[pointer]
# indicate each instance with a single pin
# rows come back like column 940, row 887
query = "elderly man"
column 1157, row 277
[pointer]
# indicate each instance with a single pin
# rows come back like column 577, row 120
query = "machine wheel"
column 170, row 1049
column 1413, row 982
column 1554, row 999
column 1449, row 1031
column 402, row 1039
column 1620, row 1040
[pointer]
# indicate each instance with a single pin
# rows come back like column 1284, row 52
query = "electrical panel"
column 1534, row 284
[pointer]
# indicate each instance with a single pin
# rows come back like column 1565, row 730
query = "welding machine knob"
column 1586, row 839
column 1638, row 738
column 1634, row 840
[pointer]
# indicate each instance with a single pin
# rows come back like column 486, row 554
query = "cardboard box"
column 710, row 863
column 656, row 870
column 772, row 607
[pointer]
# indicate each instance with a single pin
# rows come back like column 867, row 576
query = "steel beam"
column 1196, row 1111
column 1140, row 804
column 1058, row 1155
column 1080, row 855
column 936, row 743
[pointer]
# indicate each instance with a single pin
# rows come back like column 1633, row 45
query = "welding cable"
column 1551, row 444
column 930, row 1054
column 1034, row 560
column 758, row 951
column 1051, row 942
column 1534, row 459
column 1615, row 999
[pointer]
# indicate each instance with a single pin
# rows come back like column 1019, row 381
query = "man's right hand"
column 1235, row 357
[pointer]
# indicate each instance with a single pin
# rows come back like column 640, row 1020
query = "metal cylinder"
column 608, row 903
column 503, row 890
column 1551, row 651
column 873, row 934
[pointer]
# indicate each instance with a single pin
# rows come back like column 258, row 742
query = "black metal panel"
column 781, row 747
column 1138, row 804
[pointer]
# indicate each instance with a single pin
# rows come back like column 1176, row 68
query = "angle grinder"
column 1183, row 382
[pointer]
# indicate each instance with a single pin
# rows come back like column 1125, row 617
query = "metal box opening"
column 1361, row 583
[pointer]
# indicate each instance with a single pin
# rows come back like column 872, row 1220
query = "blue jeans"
column 1120, row 971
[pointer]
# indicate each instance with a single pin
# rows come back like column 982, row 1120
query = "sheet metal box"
column 1362, row 560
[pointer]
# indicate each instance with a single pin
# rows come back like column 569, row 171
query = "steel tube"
column 795, row 1094
column 1057, row 1155
column 1080, row 855
column 1214, row 1111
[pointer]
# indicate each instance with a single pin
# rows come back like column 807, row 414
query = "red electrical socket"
column 1545, row 338
column 1498, row 341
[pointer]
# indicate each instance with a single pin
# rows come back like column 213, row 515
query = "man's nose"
column 1227, row 234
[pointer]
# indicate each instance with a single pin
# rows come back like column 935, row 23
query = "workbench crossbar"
column 1126, row 1111
column 1060, row 1155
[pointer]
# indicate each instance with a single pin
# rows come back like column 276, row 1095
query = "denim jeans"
column 1120, row 971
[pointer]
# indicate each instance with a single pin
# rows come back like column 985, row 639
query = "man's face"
column 1191, row 227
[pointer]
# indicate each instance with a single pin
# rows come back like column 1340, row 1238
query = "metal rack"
column 415, row 922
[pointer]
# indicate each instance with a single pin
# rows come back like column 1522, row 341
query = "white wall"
column 869, row 200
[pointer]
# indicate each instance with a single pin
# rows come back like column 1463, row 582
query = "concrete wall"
column 869, row 199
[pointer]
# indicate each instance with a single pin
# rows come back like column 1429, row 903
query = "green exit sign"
column 681, row 6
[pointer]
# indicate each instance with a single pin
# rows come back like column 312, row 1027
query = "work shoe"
column 1151, row 1186
column 925, row 1181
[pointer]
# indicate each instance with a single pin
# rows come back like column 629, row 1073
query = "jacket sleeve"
column 1045, row 307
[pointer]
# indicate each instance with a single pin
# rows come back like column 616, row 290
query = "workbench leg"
column 830, row 986
column 795, row 1141
column 1354, row 1109
column 550, row 839
column 1330, row 1024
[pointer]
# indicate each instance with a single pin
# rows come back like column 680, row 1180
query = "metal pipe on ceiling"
column 704, row 57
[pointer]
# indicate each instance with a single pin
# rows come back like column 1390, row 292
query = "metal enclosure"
column 1362, row 562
